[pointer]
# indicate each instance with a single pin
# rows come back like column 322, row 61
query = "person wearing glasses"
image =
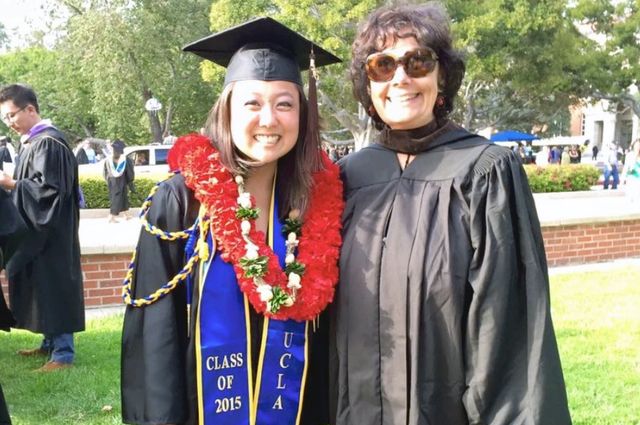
column 45, row 279
column 442, row 311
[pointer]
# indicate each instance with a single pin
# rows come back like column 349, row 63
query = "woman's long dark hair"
column 295, row 169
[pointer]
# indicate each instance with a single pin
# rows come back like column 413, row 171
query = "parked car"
column 149, row 160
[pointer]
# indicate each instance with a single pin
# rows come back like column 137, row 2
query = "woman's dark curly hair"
column 429, row 25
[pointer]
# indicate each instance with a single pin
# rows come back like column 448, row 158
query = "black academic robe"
column 442, row 312
column 81, row 157
column 4, row 413
column 45, row 279
column 119, row 187
column 11, row 228
column 5, row 156
column 158, row 356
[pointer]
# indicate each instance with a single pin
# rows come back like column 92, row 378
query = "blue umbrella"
column 511, row 136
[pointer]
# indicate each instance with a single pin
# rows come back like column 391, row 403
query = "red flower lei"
column 214, row 186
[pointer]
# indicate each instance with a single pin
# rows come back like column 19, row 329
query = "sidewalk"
column 97, row 236
column 594, row 206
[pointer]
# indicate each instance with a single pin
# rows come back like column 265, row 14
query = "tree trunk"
column 166, row 131
column 154, row 120
column 155, row 127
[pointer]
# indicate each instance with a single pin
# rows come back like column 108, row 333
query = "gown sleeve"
column 130, row 175
column 513, row 371
column 11, row 230
column 154, row 337
column 40, row 196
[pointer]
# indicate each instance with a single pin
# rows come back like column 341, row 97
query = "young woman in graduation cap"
column 238, row 255
column 442, row 309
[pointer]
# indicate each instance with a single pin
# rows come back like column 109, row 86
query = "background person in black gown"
column 5, row 154
column 11, row 230
column 442, row 309
column 119, row 174
column 45, row 279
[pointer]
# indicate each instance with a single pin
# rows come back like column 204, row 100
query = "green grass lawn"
column 74, row 396
column 597, row 321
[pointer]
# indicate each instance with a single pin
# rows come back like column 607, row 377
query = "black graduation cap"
column 261, row 49
column 118, row 146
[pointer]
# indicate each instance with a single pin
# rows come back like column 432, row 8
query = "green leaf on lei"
column 291, row 225
column 279, row 299
column 243, row 213
column 295, row 267
column 256, row 267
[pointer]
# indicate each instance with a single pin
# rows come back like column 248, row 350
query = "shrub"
column 96, row 194
column 561, row 178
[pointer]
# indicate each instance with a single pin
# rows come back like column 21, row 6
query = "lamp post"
column 153, row 105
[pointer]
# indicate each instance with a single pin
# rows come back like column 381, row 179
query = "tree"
column 522, row 67
column 131, row 51
column 4, row 39
column 332, row 25
column 612, row 56
column 64, row 102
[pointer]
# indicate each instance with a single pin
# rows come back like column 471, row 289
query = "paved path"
column 579, row 207
column 97, row 236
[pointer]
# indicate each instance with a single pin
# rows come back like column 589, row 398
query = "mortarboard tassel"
column 313, row 134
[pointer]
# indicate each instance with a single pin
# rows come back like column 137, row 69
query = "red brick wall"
column 566, row 244
column 103, row 275
column 591, row 242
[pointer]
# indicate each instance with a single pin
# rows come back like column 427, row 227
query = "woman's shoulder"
column 357, row 160
column 370, row 165
column 173, row 186
column 495, row 157
column 172, row 201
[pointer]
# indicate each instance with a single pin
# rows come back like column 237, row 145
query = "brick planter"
column 591, row 242
column 564, row 243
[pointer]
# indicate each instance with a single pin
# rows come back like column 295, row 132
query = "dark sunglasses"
column 417, row 63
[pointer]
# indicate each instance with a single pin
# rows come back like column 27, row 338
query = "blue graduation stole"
column 226, row 393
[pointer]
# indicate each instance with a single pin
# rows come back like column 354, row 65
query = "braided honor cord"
column 201, row 251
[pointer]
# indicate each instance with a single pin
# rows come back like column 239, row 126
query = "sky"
column 19, row 17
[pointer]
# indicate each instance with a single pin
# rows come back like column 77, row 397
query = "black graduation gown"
column 158, row 357
column 11, row 229
column 81, row 157
column 5, row 156
column 45, row 279
column 4, row 413
column 119, row 187
column 442, row 312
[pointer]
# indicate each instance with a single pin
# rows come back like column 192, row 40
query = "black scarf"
column 416, row 140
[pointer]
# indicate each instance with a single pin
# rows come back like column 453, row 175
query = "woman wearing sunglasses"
column 442, row 313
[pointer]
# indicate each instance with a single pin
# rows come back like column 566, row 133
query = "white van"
column 149, row 160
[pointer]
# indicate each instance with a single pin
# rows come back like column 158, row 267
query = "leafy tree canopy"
column 612, row 70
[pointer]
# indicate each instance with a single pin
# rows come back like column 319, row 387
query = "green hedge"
column 562, row 178
column 96, row 194
column 552, row 178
